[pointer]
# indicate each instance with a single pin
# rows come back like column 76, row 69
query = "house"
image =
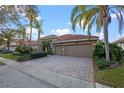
column 74, row 45
column 119, row 42
column 49, row 37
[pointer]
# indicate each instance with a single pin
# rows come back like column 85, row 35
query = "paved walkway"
column 51, row 71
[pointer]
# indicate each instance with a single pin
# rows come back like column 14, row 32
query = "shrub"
column 121, row 61
column 102, row 63
column 37, row 55
column 99, row 51
column 50, row 52
column 23, row 49
column 116, row 52
column 23, row 58
column 34, row 50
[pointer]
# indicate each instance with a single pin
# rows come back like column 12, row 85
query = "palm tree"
column 46, row 46
column 37, row 24
column 8, row 35
column 87, row 16
column 31, row 13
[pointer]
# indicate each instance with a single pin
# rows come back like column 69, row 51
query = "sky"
column 56, row 20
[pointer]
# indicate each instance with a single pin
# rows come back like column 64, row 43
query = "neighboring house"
column 74, row 45
column 119, row 42
column 17, row 42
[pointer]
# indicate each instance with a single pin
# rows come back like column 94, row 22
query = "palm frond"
column 74, row 12
column 120, row 20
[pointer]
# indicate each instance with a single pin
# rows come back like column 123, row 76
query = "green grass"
column 18, row 58
column 1, row 63
column 24, row 57
column 9, row 56
column 113, row 77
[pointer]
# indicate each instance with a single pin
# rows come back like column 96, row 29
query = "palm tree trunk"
column 39, row 41
column 8, row 45
column 105, row 29
column 30, row 30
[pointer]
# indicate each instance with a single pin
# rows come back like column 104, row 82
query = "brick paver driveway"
column 78, row 67
column 57, row 71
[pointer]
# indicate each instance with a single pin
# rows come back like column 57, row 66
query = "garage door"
column 74, row 50
column 59, row 50
column 79, row 50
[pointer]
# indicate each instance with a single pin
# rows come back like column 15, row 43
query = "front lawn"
column 113, row 77
column 24, row 57
column 9, row 56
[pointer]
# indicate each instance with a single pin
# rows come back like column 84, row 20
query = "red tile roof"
column 74, row 37
column 27, row 42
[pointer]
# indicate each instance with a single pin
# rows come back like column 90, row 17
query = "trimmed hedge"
column 23, row 58
column 31, row 56
column 37, row 55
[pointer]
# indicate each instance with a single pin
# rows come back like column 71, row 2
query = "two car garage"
column 80, row 47
column 74, row 50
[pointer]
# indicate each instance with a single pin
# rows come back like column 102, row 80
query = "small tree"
column 8, row 35
column 23, row 49
column 46, row 46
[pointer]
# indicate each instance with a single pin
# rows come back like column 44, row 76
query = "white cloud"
column 42, row 35
column 100, row 35
column 59, row 32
